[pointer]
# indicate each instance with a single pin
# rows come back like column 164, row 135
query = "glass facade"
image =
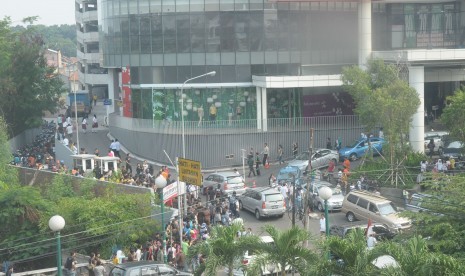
column 165, row 104
column 172, row 40
column 410, row 26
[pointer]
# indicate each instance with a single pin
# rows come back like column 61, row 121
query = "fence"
column 218, row 144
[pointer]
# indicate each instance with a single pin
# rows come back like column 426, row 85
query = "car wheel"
column 353, row 157
column 320, row 207
column 350, row 217
column 240, row 206
column 280, row 216
column 257, row 215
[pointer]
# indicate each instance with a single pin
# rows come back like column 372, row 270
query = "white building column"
column 264, row 110
column 364, row 32
column 258, row 96
column 416, row 80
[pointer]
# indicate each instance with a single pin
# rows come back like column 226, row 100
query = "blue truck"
column 83, row 104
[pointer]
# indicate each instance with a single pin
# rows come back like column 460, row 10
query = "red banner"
column 126, row 91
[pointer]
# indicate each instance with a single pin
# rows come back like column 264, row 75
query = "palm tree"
column 414, row 258
column 223, row 248
column 286, row 251
column 350, row 256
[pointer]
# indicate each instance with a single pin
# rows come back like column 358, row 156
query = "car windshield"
column 386, row 209
column 273, row 197
column 455, row 145
column 354, row 144
column 234, row 179
column 302, row 156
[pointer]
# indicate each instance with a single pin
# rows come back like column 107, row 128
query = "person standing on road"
column 84, row 124
column 280, row 154
column 328, row 143
column 295, row 149
column 94, row 123
column 331, row 167
column 117, row 148
column 250, row 163
column 128, row 163
column 266, row 152
column 257, row 162
column 431, row 148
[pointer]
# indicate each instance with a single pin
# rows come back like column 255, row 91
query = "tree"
column 287, row 250
column 382, row 99
column 415, row 259
column 351, row 256
column 223, row 248
column 29, row 86
column 453, row 116
column 443, row 218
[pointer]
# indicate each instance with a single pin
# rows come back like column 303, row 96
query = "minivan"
column 229, row 182
column 365, row 205
column 263, row 202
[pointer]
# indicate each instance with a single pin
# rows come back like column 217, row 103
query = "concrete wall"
column 27, row 137
column 63, row 153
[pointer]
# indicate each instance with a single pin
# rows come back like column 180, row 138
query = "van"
column 263, row 202
column 365, row 205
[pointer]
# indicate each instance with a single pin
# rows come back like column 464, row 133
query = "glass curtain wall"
column 165, row 104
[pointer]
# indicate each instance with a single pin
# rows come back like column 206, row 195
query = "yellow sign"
column 189, row 171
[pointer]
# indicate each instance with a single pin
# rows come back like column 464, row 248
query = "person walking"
column 94, row 123
column 295, row 149
column 250, row 164
column 430, row 147
column 328, row 143
column 117, row 148
column 280, row 154
column 257, row 162
column 84, row 124
column 266, row 152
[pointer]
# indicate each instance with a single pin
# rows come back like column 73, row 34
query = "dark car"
column 454, row 150
column 145, row 268
column 380, row 230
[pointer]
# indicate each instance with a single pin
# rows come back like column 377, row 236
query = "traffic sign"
column 189, row 171
column 106, row 101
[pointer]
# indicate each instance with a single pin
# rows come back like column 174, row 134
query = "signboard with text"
column 189, row 171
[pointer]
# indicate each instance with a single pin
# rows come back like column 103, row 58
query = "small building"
column 84, row 162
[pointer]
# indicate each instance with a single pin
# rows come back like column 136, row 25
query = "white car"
column 320, row 159
column 269, row 269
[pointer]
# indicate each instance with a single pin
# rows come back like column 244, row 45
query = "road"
column 91, row 141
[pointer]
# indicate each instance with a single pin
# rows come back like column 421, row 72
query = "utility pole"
column 308, row 194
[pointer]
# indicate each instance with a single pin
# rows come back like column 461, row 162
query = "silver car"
column 263, row 202
column 334, row 202
column 229, row 182
column 320, row 159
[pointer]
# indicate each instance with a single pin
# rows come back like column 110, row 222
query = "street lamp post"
column 160, row 183
column 325, row 193
column 212, row 73
column 56, row 224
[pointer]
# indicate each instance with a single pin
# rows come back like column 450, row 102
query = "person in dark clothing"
column 328, row 143
column 257, row 162
column 250, row 163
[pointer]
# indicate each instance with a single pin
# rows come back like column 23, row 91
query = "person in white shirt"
column 371, row 241
column 284, row 191
column 84, row 124
column 117, row 148
column 69, row 131
column 65, row 141
column 266, row 152
column 322, row 225
column 99, row 269
column 139, row 253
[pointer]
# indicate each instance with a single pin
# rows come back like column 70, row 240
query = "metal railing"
column 218, row 144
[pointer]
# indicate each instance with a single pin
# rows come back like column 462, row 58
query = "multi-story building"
column 277, row 65
column 92, row 76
